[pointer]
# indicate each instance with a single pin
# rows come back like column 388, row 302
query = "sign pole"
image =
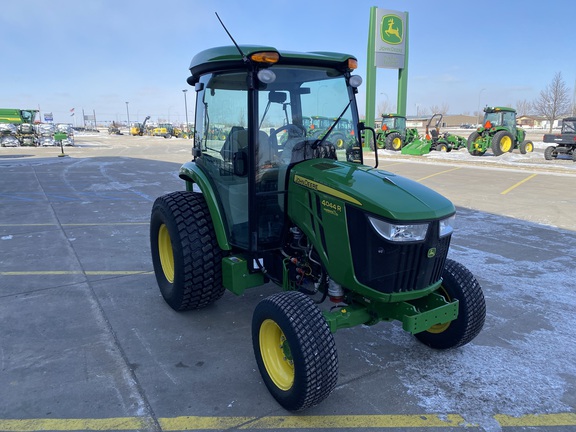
column 371, row 71
column 403, row 74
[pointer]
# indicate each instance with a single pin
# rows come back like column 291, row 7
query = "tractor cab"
column 393, row 122
column 500, row 117
column 264, row 109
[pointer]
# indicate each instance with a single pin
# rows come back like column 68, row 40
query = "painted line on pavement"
column 518, row 184
column 74, row 224
column 195, row 423
column 74, row 272
column 438, row 173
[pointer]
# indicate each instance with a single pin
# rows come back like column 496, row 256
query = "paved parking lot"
column 87, row 343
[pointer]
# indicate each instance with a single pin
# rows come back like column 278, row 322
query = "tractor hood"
column 379, row 192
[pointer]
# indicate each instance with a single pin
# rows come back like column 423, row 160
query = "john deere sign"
column 390, row 39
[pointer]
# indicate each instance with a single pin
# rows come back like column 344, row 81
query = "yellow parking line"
column 518, row 184
column 119, row 423
column 535, row 420
column 438, row 173
column 195, row 423
column 244, row 423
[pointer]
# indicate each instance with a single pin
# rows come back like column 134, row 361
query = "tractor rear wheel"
column 339, row 140
column 442, row 147
column 295, row 350
column 502, row 142
column 185, row 253
column 526, row 146
column 472, row 149
column 457, row 283
column 394, row 141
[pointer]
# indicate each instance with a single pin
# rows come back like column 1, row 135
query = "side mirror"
column 240, row 163
column 372, row 141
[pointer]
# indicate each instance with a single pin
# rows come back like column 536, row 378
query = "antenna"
column 246, row 60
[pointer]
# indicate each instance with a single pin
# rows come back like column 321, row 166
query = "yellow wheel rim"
column 506, row 144
column 439, row 328
column 166, row 254
column 396, row 143
column 339, row 143
column 276, row 355
column 529, row 148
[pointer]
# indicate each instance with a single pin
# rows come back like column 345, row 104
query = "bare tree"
column 523, row 108
column 435, row 109
column 554, row 101
column 384, row 107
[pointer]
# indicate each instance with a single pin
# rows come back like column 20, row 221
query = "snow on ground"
column 522, row 363
column 535, row 159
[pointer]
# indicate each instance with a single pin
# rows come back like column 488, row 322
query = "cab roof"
column 498, row 109
column 228, row 57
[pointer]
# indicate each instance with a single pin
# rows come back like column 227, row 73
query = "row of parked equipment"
column 498, row 133
column 35, row 135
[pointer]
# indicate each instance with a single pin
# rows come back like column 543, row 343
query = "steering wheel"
column 294, row 131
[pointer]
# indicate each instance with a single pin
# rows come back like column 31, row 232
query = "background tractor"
column 393, row 135
column 500, row 133
column 434, row 140
column 346, row 244
column 139, row 129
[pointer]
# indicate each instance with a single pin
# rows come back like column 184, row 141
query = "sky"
column 96, row 55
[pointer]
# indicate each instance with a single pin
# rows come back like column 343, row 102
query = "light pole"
column 186, row 111
column 128, row 115
column 478, row 112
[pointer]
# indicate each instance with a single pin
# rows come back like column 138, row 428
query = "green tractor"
column 393, row 135
column 500, row 133
column 434, row 140
column 347, row 244
column 340, row 135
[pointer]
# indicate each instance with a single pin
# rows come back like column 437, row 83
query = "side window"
column 221, row 135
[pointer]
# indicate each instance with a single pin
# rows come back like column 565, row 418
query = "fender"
column 190, row 173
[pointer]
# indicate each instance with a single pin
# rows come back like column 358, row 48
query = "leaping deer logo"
column 393, row 33
column 391, row 30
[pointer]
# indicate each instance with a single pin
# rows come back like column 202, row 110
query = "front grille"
column 392, row 267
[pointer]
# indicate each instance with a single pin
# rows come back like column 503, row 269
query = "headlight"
column 400, row 232
column 447, row 226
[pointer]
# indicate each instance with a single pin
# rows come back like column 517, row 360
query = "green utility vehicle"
column 434, row 140
column 307, row 216
column 393, row 135
column 499, row 132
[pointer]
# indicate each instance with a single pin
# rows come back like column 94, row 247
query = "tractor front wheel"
column 526, row 146
column 295, row 350
column 394, row 142
column 185, row 253
column 457, row 283
column 503, row 142
column 442, row 147
column 473, row 148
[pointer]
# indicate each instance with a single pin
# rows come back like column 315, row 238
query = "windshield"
column 501, row 118
column 569, row 126
column 308, row 106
